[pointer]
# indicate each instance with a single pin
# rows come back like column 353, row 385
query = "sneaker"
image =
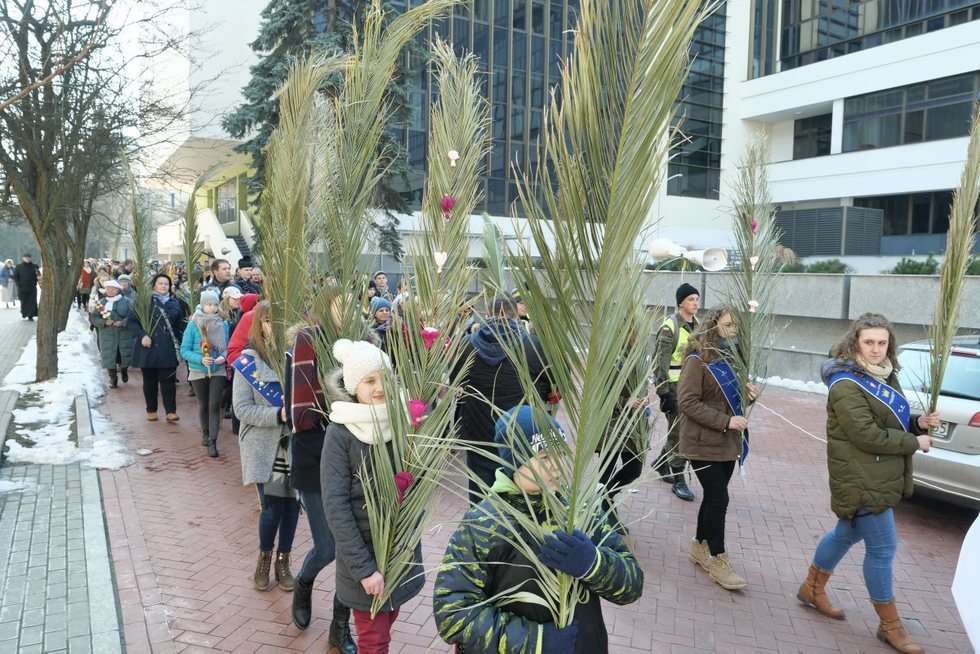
column 719, row 568
column 699, row 553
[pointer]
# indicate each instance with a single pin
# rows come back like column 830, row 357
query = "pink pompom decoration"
column 403, row 481
column 429, row 336
column 755, row 225
column 416, row 411
column 448, row 202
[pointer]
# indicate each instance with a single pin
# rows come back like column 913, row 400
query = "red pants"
column 374, row 636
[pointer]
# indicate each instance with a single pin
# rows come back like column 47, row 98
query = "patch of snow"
column 144, row 452
column 46, row 420
column 8, row 486
column 796, row 385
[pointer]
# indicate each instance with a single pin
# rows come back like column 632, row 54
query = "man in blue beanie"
column 481, row 564
column 380, row 309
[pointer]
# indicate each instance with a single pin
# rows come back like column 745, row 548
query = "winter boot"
column 261, row 578
column 681, row 490
column 205, row 440
column 213, row 448
column 125, row 375
column 113, row 378
column 892, row 631
column 302, row 604
column 151, row 416
column 172, row 417
column 664, row 472
column 813, row 593
column 700, row 553
column 719, row 568
column 283, row 575
column 339, row 639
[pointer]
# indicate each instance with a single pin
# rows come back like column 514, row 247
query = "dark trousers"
column 714, row 477
column 82, row 298
column 28, row 303
column 622, row 471
column 324, row 548
column 209, row 392
column 483, row 468
column 164, row 379
column 279, row 514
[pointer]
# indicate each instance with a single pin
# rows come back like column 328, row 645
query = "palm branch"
column 959, row 244
column 608, row 142
column 493, row 256
column 350, row 164
column 425, row 335
column 193, row 247
column 147, row 315
column 283, row 215
column 750, row 294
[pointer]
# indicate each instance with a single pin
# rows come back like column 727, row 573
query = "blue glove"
column 572, row 553
column 558, row 641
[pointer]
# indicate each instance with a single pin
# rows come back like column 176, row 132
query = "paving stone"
column 9, row 630
column 55, row 640
column 80, row 645
column 32, row 618
column 31, row 635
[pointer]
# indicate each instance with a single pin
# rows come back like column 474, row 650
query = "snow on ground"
column 46, row 420
column 8, row 486
column 797, row 385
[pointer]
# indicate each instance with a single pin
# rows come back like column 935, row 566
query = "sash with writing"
column 880, row 391
column 271, row 391
column 725, row 377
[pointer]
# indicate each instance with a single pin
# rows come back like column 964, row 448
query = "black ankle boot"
column 681, row 490
column 213, row 448
column 302, row 604
column 113, row 379
column 125, row 375
column 339, row 639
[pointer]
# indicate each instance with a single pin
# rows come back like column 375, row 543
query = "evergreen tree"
column 289, row 30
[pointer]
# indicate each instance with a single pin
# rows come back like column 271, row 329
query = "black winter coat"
column 162, row 353
column 25, row 275
column 343, row 502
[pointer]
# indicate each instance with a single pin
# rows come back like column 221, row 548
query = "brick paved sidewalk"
column 55, row 575
column 183, row 539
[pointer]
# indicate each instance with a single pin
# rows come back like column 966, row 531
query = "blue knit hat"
column 524, row 426
column 378, row 303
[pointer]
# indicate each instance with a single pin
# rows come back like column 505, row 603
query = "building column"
column 837, row 127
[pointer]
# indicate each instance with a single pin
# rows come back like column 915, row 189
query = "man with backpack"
column 671, row 343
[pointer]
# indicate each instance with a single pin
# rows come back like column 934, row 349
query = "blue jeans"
column 279, row 514
column 877, row 530
column 324, row 548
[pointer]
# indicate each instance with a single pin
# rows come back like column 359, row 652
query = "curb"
column 83, row 418
column 8, row 400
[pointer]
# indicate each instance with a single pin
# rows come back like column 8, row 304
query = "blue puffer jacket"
column 190, row 350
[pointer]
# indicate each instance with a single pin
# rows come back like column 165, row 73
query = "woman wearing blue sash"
column 263, row 441
column 712, row 436
column 871, row 437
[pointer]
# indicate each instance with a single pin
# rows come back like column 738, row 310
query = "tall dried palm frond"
column 959, row 244
column 192, row 246
column 607, row 142
column 425, row 335
column 282, row 221
column 493, row 256
column 750, row 295
column 350, row 163
column 140, row 233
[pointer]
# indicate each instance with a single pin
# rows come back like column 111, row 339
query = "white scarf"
column 368, row 422
column 111, row 301
column 882, row 371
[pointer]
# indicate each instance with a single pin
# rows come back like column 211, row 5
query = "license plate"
column 942, row 431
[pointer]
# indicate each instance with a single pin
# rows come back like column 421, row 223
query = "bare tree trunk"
column 57, row 294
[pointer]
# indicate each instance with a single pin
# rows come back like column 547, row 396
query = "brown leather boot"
column 283, row 574
column 892, row 631
column 813, row 593
column 261, row 577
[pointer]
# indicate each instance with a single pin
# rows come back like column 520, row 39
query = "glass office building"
column 519, row 45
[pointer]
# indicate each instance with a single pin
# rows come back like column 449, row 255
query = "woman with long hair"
column 156, row 353
column 711, row 428
column 263, row 438
column 871, row 438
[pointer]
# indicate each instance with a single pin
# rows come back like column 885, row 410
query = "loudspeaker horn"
column 662, row 248
column 712, row 259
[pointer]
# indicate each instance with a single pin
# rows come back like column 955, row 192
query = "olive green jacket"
column 869, row 455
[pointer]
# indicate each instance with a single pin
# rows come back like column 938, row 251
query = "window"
column 811, row 137
column 227, row 202
column 918, row 213
column 815, row 30
column 939, row 109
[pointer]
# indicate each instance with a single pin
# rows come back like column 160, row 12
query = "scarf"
column 161, row 297
column 368, row 423
column 111, row 301
column 306, row 394
column 486, row 342
column 881, row 371
column 212, row 328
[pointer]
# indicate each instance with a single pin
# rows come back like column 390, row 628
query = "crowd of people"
column 302, row 446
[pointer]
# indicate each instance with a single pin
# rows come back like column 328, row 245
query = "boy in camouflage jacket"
column 480, row 563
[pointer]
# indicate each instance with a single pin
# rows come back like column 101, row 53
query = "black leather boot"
column 125, row 375
column 681, row 490
column 302, row 604
column 113, row 378
column 213, row 448
column 339, row 639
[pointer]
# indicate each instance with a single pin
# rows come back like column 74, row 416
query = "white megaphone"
column 712, row 259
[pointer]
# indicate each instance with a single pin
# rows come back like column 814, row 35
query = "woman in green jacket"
column 871, row 437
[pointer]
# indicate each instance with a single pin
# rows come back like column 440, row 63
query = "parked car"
column 951, row 468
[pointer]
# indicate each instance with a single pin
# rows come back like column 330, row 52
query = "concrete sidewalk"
column 183, row 534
